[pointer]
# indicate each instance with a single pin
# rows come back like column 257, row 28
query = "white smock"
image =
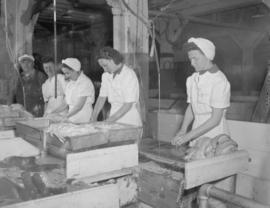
column 122, row 88
column 48, row 92
column 204, row 92
column 82, row 87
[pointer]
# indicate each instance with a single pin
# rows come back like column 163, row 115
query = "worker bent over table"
column 208, row 95
column 53, row 103
column 79, row 92
column 120, row 85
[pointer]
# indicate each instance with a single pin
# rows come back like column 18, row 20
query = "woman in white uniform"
column 79, row 92
column 208, row 95
column 53, row 104
column 120, row 86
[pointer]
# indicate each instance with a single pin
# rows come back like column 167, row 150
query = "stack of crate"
column 9, row 116
column 3, row 91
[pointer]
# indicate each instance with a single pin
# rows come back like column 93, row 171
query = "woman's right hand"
column 93, row 119
column 175, row 139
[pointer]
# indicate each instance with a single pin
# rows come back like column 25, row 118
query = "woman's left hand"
column 109, row 120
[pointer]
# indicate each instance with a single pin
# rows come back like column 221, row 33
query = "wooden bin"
column 162, row 171
column 33, row 132
column 93, row 197
column 112, row 171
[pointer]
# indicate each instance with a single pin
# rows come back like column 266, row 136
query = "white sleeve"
column 131, row 88
column 61, row 83
column 103, row 92
column 188, row 86
column 221, row 93
column 85, row 88
column 45, row 97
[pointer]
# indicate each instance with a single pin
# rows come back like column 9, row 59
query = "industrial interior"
column 135, row 103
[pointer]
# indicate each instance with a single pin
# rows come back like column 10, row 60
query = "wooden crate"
column 9, row 117
column 115, row 166
column 159, row 187
column 100, row 161
column 8, row 113
column 197, row 172
column 33, row 131
column 92, row 197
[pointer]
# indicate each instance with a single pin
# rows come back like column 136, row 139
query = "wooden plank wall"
column 255, row 138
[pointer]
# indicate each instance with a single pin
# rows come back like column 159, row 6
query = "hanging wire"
column 142, row 97
column 151, row 31
column 163, row 9
column 8, row 44
column 55, row 47
column 11, row 54
column 155, row 53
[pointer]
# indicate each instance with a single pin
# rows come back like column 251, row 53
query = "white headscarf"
column 206, row 46
column 73, row 63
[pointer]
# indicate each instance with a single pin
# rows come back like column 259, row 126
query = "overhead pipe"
column 208, row 190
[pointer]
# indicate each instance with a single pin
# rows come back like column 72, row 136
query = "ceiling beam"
column 266, row 2
column 204, row 21
column 202, row 7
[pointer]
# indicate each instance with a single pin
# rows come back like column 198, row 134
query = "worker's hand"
column 46, row 114
column 180, row 138
column 92, row 119
column 110, row 119
column 177, row 136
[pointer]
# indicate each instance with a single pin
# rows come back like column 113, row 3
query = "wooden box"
column 33, row 131
column 9, row 117
column 107, row 172
column 162, row 170
column 196, row 172
column 159, row 187
column 92, row 197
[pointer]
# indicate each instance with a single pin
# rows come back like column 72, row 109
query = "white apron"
column 132, row 117
column 84, row 115
column 48, row 91
column 200, row 90
column 117, row 89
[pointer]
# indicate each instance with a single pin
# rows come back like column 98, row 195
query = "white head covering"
column 206, row 46
column 73, row 63
column 26, row 56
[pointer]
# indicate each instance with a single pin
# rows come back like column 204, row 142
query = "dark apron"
column 34, row 102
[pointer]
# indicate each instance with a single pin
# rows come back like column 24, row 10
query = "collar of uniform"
column 212, row 70
column 79, row 77
column 28, row 75
column 118, row 71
